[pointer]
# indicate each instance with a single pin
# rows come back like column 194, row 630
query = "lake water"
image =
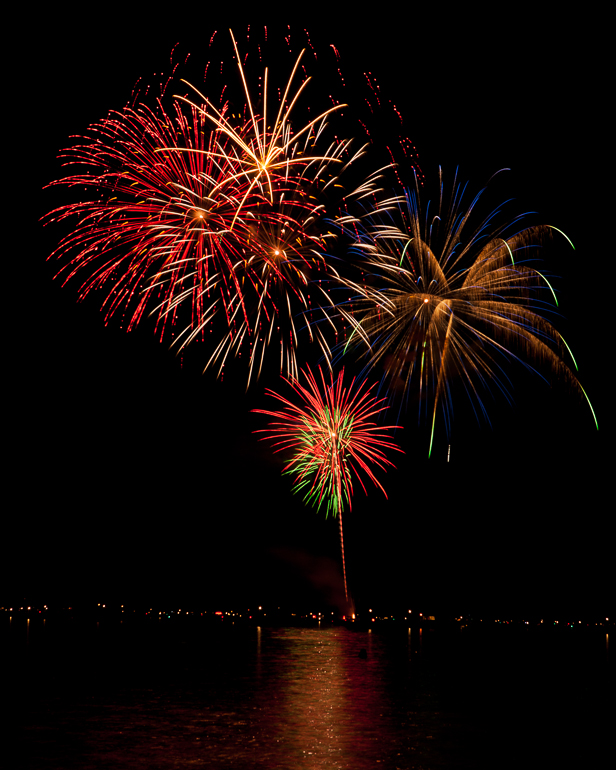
column 188, row 694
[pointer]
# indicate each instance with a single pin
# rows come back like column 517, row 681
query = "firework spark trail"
column 151, row 232
column 333, row 439
column 344, row 575
column 442, row 307
column 195, row 213
column 269, row 149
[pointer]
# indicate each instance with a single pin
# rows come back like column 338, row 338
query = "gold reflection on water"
column 258, row 667
column 329, row 698
column 370, row 646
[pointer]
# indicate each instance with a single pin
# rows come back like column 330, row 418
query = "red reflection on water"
column 328, row 699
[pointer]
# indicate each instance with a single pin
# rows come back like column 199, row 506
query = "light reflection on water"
column 163, row 696
column 225, row 698
column 328, row 699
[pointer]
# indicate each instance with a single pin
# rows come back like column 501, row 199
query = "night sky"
column 135, row 477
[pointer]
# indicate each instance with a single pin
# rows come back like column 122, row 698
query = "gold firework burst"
column 444, row 301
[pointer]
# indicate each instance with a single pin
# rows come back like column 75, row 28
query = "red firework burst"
column 195, row 214
column 333, row 439
column 152, row 232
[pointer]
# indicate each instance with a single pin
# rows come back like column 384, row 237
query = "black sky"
column 133, row 476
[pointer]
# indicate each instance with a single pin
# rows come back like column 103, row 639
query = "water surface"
column 192, row 695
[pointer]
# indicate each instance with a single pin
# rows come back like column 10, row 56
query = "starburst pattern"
column 439, row 304
column 333, row 440
column 333, row 437
column 200, row 216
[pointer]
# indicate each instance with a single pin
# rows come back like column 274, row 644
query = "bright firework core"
column 333, row 438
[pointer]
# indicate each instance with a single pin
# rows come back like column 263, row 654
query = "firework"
column 268, row 150
column 333, row 440
column 153, row 234
column 440, row 303
column 196, row 214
